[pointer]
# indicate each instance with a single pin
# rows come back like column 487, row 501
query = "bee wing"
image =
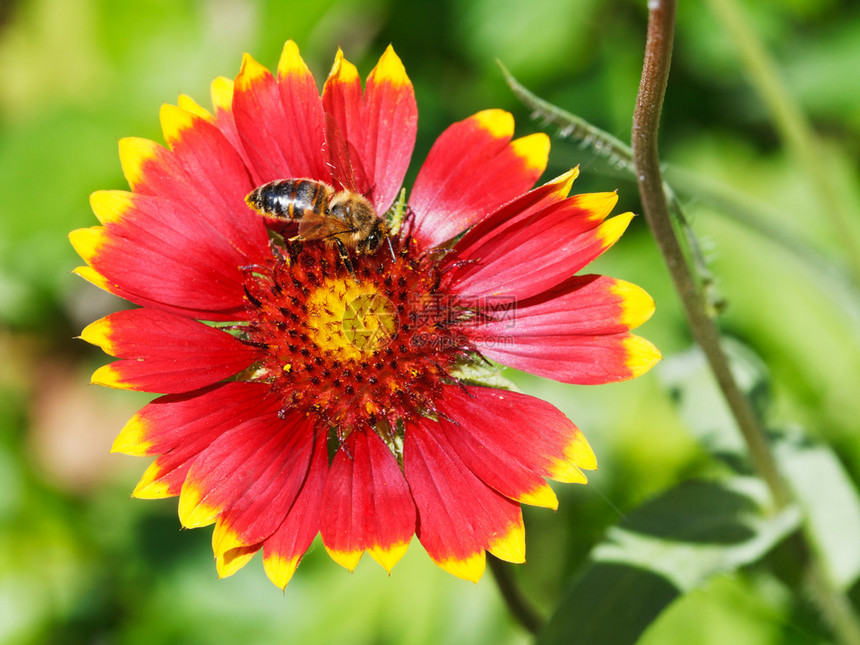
column 316, row 226
column 346, row 169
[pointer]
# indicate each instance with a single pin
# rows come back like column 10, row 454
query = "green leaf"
column 486, row 374
column 668, row 547
column 824, row 490
column 829, row 501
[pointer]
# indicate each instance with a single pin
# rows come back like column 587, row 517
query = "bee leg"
column 344, row 256
column 294, row 247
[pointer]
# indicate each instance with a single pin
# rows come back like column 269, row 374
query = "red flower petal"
column 155, row 252
column 202, row 173
column 219, row 176
column 573, row 332
column 583, row 360
column 163, row 352
column 264, row 111
column 264, row 456
column 501, row 471
column 221, row 91
column 169, row 421
column 515, row 212
column 181, row 427
column 279, row 470
column 521, row 431
column 165, row 475
column 535, row 251
column 581, row 305
column 303, row 111
column 459, row 516
column 368, row 504
column 283, row 551
column 342, row 102
column 370, row 137
column 472, row 169
column 390, row 117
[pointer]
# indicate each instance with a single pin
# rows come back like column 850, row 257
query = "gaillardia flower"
column 313, row 388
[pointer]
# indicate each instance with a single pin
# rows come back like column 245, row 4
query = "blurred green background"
column 82, row 563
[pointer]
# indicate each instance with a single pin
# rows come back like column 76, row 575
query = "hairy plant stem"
column 646, row 118
column 519, row 607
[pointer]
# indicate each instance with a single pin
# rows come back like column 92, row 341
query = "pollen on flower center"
column 373, row 346
column 350, row 319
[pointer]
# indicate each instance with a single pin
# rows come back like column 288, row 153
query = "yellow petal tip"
column 510, row 547
column 390, row 555
column 579, row 453
column 542, row 496
column 533, row 150
column 613, row 228
column 637, row 305
column 566, row 473
column 564, row 182
column 389, row 69
column 174, row 121
column 233, row 560
column 470, row 568
column 88, row 241
column 98, row 333
column 92, row 276
column 188, row 104
column 347, row 559
column 291, row 62
column 153, row 490
column 221, row 92
column 280, row 570
column 597, row 205
column 131, row 439
column 642, row 355
column 225, row 539
column 193, row 511
column 134, row 153
column 108, row 376
column 499, row 123
column 110, row 206
column 149, row 486
column 250, row 72
column 342, row 71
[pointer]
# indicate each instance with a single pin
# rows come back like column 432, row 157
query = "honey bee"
column 346, row 219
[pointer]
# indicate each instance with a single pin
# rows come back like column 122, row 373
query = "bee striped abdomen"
column 289, row 198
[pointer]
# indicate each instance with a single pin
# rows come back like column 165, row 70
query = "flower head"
column 312, row 388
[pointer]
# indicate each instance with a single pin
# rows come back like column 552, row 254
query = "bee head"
column 371, row 243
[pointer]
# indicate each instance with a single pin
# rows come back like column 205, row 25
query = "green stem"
column 516, row 602
column 834, row 605
column 646, row 119
column 790, row 122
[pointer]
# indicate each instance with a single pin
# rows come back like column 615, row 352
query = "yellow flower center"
column 349, row 319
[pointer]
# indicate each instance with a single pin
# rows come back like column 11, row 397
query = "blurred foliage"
column 80, row 563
